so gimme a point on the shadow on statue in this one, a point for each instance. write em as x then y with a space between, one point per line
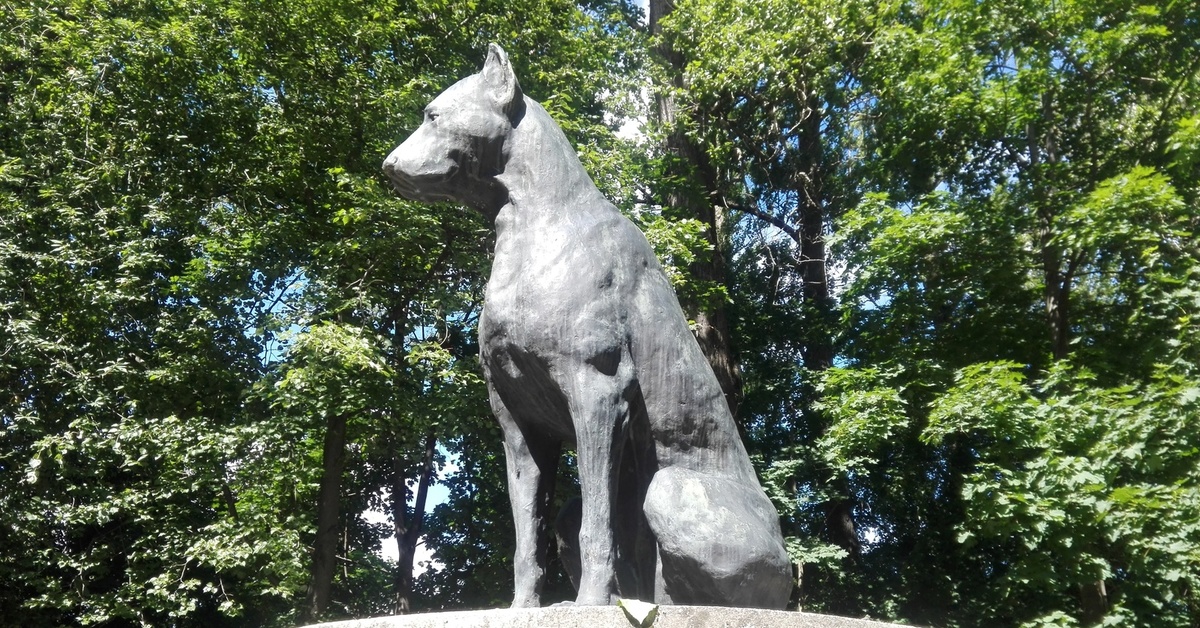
583 344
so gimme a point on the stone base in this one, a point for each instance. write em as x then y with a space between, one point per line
609 617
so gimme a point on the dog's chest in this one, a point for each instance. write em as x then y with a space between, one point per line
553 297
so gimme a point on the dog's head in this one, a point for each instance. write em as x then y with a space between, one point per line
460 147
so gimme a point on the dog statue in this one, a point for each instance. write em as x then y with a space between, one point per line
583 343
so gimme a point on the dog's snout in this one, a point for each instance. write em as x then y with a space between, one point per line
423 167
389 165
400 173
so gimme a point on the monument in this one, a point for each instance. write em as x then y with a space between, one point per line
584 345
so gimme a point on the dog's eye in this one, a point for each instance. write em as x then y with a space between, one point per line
430 116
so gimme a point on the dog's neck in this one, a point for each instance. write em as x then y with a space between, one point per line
543 179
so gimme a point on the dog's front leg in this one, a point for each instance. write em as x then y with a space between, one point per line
531 463
599 411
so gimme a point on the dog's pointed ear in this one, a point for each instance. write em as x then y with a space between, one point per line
499 78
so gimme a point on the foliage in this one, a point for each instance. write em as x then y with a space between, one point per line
1087 483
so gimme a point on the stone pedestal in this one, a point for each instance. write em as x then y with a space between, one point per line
610 617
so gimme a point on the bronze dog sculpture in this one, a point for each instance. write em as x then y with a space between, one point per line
583 342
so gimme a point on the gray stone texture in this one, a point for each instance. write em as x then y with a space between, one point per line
584 345
612 617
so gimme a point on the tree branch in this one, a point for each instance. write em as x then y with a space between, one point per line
773 220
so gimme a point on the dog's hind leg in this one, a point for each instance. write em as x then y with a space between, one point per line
718 541
636 546
566 530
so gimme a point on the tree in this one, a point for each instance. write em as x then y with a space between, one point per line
770 91
126 309
688 187
1031 215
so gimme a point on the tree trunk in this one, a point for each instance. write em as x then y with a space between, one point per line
818 349
408 531
230 500
695 197
839 524
818 346
328 512
1043 149
1057 293
1093 598
1058 273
